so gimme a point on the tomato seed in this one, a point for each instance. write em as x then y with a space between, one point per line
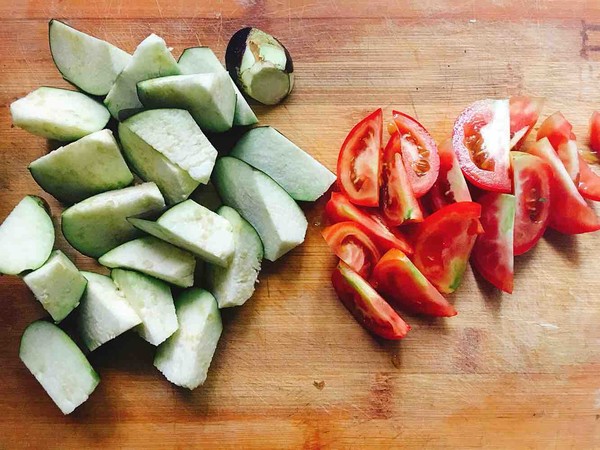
532 205
479 155
421 167
391 127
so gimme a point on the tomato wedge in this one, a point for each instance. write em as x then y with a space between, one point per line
524 114
419 153
399 203
570 214
595 132
443 244
481 141
493 254
366 305
353 246
451 186
398 280
557 129
359 161
532 179
589 181
340 209
569 156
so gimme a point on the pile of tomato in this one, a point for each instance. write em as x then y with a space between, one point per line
406 218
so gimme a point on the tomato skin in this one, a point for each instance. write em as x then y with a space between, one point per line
443 244
524 114
557 129
359 161
353 246
493 255
570 214
399 204
492 114
589 181
397 279
451 186
595 132
366 305
422 166
340 209
532 178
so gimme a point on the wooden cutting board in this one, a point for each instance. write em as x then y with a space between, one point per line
293 369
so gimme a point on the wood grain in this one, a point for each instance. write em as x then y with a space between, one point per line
517 371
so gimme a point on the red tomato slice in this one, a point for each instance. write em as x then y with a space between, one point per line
589 181
493 254
569 156
359 161
570 214
353 246
397 279
481 141
524 114
557 129
399 203
595 132
366 305
340 209
443 244
419 153
451 186
532 179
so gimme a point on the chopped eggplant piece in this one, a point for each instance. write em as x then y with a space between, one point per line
260 65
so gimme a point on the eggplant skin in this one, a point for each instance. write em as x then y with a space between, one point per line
43 203
237 46
289 64
235 51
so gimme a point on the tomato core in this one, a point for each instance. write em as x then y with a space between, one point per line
476 144
353 250
534 204
420 161
361 160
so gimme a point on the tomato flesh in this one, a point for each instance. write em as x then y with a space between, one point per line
359 161
524 114
419 153
398 200
589 181
398 280
340 209
595 132
532 179
443 244
451 186
570 214
366 305
557 129
481 141
493 255
353 246
569 156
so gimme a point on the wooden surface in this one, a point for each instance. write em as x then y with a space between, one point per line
293 369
